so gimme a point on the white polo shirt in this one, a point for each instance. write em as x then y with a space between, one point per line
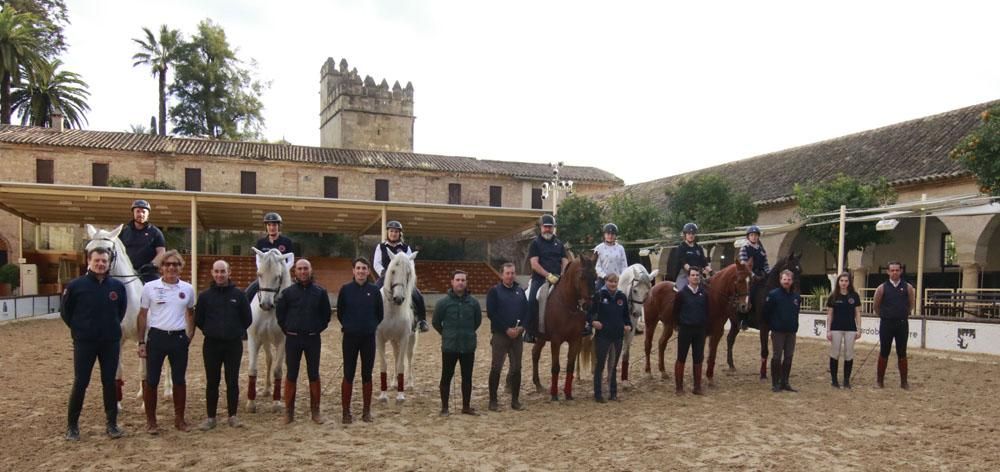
167 304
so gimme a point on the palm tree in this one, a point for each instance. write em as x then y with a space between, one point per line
50 90
159 54
19 51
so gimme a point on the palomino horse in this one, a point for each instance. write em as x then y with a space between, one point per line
727 292
565 310
273 276
759 291
121 269
397 324
636 283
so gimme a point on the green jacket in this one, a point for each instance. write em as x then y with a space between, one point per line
457 319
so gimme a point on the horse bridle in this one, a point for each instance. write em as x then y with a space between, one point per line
113 251
275 291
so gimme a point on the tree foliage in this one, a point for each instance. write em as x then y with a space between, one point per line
156 185
120 181
50 90
828 196
637 218
579 222
709 201
217 96
20 51
159 52
979 152
50 17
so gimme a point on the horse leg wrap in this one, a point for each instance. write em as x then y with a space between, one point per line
568 389
624 369
119 386
710 371
554 389
399 382
276 396
252 388
384 378
763 368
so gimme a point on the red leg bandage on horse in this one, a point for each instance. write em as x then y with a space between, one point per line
119 386
384 378
252 388
276 396
399 382
763 368
624 369
710 371
568 389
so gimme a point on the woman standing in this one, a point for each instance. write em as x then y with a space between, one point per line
843 319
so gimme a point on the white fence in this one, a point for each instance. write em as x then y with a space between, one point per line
16 308
945 335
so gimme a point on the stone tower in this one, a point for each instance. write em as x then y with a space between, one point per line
360 114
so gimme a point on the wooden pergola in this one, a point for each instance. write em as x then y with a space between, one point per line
108 206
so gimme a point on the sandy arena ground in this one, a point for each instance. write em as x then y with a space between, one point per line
948 421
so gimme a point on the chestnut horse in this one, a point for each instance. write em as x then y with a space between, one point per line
728 293
759 290
565 315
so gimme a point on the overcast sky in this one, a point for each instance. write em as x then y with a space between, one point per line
641 89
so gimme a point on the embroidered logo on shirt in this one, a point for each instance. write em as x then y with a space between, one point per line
850 301
181 295
621 302
281 247
795 301
232 300
113 296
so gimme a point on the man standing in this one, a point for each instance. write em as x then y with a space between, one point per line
380 260
144 242
547 256
457 317
781 309
360 310
893 301
691 314
166 308
686 255
303 312
507 308
93 307
223 315
272 240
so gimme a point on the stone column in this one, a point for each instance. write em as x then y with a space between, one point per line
970 275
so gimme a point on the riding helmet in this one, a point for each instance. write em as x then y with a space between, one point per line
141 204
272 217
394 225
611 228
753 229
547 220
690 228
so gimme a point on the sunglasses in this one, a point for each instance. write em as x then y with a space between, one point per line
171 264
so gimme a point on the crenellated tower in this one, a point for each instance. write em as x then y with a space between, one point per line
357 113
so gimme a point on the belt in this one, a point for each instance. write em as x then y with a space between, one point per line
170 333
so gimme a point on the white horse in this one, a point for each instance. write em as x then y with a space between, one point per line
636 283
400 278
121 269
273 276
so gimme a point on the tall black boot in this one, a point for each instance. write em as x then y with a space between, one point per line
494 386
775 375
515 393
848 366
445 390
786 370
833 373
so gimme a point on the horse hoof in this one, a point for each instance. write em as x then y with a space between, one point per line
664 376
400 399
539 389
277 407
626 384
252 407
569 398
555 398
383 398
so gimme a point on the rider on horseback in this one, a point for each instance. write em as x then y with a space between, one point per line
380 260
753 252
547 256
610 260
688 254
144 242
273 240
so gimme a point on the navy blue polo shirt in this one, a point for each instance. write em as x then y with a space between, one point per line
282 244
141 244
549 253
844 307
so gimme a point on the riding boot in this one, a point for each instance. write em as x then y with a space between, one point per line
697 379
515 394
679 377
289 401
848 366
346 389
833 373
494 385
445 390
786 371
775 375
903 372
180 403
880 372
366 402
149 402
315 389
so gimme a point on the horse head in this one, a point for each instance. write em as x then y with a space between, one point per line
639 285
119 263
273 274
793 263
586 280
400 277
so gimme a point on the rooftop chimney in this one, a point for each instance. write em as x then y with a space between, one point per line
56 121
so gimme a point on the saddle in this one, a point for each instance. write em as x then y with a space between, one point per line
541 296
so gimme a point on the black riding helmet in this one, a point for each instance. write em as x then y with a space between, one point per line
141 204
272 217
547 220
394 225
690 228
611 228
753 229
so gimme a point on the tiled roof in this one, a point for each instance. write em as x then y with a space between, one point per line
129 142
904 153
